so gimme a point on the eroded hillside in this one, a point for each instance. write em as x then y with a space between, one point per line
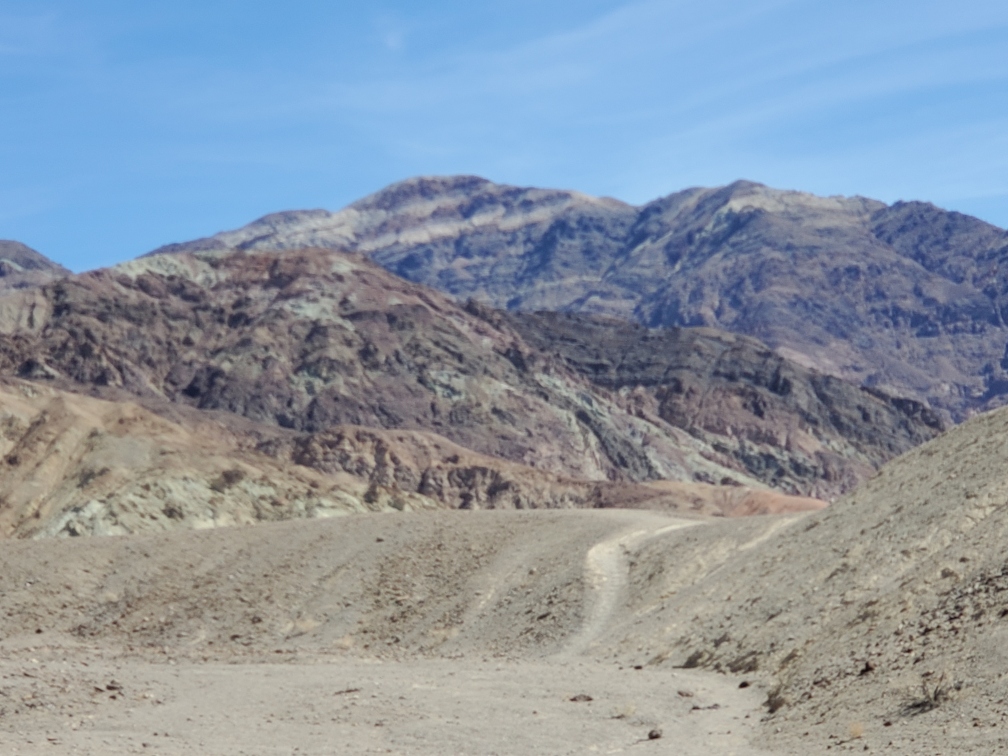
887 610
785 423
74 465
313 339
907 298
21 267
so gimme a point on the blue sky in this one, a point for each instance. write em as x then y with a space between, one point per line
126 125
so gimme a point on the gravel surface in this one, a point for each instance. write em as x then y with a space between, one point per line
440 632
326 706
879 624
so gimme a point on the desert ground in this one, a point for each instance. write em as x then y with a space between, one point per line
447 632
876 624
503 632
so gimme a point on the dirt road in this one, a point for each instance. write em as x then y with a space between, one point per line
441 661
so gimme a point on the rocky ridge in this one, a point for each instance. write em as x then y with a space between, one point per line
907 298
310 340
75 465
785 423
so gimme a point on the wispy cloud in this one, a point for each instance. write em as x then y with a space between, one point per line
391 30
229 110
719 89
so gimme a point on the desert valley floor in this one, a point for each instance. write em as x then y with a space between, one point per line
423 633
480 644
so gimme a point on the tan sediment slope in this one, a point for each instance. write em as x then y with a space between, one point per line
76 465
73 465
884 615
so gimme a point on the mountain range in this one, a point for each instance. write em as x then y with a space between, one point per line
452 344
907 298
574 346
321 354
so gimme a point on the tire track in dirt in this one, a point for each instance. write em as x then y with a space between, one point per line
606 573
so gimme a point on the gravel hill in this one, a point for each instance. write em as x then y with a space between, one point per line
884 614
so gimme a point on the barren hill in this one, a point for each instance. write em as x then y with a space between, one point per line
22 267
74 465
427 633
884 614
908 297
313 339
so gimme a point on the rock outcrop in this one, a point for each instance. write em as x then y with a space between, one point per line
785 423
310 340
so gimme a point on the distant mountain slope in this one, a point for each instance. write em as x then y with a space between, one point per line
906 297
23 267
75 465
737 395
313 339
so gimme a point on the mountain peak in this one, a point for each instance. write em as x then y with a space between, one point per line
852 286
25 258
424 188
21 267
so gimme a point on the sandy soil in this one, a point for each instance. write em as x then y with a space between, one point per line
325 706
453 632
